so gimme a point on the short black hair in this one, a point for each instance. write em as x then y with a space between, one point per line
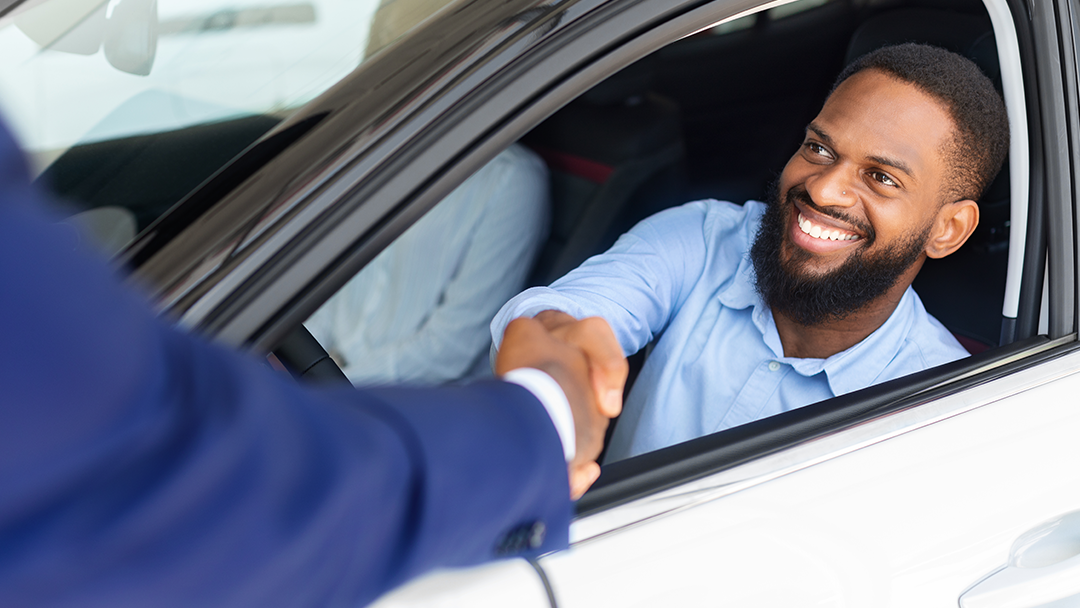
977 110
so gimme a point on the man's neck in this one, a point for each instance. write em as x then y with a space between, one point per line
826 339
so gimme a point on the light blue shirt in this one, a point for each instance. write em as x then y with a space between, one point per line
684 275
419 312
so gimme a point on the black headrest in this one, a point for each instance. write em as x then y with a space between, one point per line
969 35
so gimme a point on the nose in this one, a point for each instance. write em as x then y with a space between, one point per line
834 186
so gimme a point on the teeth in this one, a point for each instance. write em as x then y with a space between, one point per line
819 233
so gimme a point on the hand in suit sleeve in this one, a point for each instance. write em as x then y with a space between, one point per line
571 350
141 465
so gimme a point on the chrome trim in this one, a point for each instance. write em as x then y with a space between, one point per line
1013 358
1012 79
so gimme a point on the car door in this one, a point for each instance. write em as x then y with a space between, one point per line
954 487
964 494
911 509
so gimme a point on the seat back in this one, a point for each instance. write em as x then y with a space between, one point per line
604 150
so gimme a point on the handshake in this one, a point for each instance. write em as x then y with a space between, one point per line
587 361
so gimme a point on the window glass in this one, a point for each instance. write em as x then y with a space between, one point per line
735 25
794 8
132 103
749 21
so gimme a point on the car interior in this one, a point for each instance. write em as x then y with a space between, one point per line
714 115
718 114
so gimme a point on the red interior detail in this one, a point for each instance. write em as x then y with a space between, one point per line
591 170
973 346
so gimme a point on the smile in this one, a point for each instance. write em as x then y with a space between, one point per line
824 233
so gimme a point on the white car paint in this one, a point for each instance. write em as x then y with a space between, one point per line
913 518
506 583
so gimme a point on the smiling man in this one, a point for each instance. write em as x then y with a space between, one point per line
763 308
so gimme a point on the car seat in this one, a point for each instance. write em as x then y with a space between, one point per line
612 153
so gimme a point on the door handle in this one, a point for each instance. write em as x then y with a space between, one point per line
1044 566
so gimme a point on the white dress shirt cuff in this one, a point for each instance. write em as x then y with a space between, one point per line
552 397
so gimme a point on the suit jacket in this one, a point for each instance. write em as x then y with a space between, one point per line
140 465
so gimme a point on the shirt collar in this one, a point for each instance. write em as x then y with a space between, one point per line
846 371
740 292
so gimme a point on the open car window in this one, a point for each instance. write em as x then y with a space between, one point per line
697 119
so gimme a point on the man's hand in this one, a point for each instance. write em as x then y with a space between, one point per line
586 360
607 365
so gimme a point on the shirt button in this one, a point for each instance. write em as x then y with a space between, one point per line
521 538
773 366
537 535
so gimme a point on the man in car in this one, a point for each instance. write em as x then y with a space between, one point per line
763 308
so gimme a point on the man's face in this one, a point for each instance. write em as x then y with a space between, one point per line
857 202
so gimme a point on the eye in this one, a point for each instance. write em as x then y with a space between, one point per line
818 150
884 179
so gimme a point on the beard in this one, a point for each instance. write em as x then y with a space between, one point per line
787 287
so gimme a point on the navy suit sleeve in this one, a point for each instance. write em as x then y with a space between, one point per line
140 465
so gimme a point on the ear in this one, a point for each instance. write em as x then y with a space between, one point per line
954 224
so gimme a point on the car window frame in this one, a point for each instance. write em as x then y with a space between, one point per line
1053 58
318 262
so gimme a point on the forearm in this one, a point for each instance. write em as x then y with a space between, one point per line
633 331
293 495
635 286
141 465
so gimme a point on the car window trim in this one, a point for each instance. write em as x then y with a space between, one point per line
657 472
1058 129
1032 284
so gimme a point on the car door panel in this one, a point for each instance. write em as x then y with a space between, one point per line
507 583
911 517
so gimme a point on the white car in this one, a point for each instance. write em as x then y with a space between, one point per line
265 154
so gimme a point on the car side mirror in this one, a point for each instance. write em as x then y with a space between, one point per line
126 29
131 35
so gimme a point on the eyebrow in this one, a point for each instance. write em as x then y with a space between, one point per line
881 160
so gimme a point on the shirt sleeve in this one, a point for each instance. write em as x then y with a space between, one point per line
552 397
141 465
636 286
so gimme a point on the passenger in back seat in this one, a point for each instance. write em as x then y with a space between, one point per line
419 311
763 308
